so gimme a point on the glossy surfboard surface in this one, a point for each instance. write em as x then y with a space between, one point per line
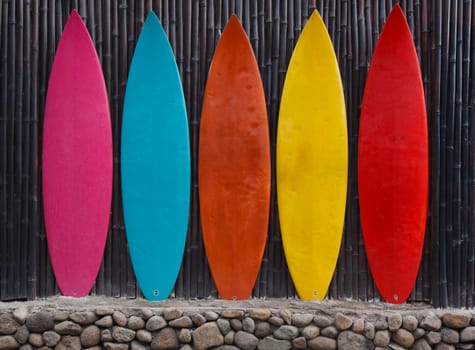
234 165
393 161
155 163
76 161
312 161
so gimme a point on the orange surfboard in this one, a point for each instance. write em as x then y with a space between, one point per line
234 165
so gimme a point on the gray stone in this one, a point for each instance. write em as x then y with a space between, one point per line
229 338
136 323
369 330
348 340
83 317
269 343
395 346
90 336
36 340
67 328
20 314
286 315
61 315
468 334
155 323
144 336
122 335
172 314
40 321
443 346
211 316
232 314
358 326
449 336
421 344
248 325
382 338
181 322
465 346
342 322
51 338
330 332
245 341
69 342
104 311
198 319
322 343
311 332
106 335
419 333
456 320
286 332
236 324
114 346
276 321
27 347
207 336
166 339
146 314
433 337
260 314
394 322
184 336
225 347
22 334
409 322
381 323
8 325
431 322
299 343
301 320
323 321
403 338
8 342
105 322
263 329
119 318
135 345
186 347
223 325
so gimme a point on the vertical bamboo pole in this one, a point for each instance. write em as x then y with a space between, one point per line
4 153
19 265
466 277
34 196
471 104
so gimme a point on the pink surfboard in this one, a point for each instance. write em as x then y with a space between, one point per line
77 161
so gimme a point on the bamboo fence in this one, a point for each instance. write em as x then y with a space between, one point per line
442 31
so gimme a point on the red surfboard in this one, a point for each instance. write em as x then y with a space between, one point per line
393 161
77 161
234 165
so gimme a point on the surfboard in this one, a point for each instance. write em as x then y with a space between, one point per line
234 165
312 161
393 161
76 161
155 163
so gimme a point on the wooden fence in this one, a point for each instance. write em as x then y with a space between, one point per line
442 30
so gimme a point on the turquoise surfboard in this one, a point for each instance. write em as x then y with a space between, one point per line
155 163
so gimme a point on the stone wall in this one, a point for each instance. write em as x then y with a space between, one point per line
111 327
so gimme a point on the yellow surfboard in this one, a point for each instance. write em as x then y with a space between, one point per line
312 161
